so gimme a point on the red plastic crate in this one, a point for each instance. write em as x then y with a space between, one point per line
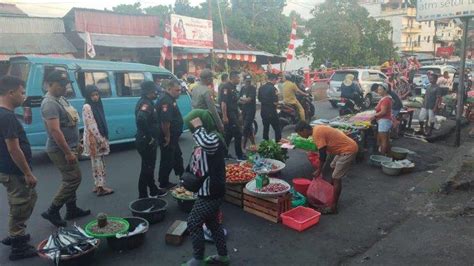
300 218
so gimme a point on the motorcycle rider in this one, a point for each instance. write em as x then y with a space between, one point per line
351 90
290 91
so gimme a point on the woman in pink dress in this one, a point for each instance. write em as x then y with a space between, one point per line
96 143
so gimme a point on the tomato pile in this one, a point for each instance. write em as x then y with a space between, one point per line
274 188
238 174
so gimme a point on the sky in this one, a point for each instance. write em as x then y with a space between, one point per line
58 8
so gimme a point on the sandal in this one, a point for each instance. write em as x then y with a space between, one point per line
101 191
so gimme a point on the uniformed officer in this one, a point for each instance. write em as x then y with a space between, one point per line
268 97
248 104
170 122
62 125
15 170
230 113
147 141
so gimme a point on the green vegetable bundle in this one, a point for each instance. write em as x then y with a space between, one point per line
271 150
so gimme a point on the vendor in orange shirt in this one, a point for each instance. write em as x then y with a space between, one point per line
331 141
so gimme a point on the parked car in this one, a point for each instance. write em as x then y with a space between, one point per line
419 80
365 77
118 83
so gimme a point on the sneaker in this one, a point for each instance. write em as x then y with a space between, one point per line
159 193
217 260
169 186
243 158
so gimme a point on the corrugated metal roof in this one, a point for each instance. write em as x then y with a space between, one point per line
123 41
35 43
11 10
31 25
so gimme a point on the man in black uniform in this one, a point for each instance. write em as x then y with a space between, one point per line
147 140
248 104
170 122
268 96
230 113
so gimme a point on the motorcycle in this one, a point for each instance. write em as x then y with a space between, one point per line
288 114
348 106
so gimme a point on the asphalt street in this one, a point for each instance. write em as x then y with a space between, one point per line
371 205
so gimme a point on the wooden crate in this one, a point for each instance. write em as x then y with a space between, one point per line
234 194
267 208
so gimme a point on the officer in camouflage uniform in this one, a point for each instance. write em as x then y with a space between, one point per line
147 140
15 168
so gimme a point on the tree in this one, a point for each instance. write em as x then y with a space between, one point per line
343 32
128 9
259 23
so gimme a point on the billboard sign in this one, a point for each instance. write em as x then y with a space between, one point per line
442 9
191 32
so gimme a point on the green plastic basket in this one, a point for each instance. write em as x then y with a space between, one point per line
116 219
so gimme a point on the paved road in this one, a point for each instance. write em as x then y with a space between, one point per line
371 205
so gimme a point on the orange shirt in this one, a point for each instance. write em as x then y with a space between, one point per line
335 141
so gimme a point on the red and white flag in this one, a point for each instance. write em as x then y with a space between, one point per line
291 47
89 46
226 41
165 50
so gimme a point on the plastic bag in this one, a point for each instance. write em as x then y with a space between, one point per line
320 193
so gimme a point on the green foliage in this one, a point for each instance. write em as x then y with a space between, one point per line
271 150
343 32
259 23
128 9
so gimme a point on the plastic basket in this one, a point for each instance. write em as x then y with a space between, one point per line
301 185
300 218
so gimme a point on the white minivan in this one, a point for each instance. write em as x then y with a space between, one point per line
365 77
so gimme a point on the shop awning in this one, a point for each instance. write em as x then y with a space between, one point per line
244 56
123 41
12 44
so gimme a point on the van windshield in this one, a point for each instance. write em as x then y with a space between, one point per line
19 70
424 70
340 75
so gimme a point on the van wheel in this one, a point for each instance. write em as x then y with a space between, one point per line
82 157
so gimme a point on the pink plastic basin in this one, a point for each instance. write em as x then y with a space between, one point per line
300 218
301 185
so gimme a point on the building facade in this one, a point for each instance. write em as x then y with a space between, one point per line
409 35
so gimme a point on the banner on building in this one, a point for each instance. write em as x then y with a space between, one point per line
191 32
445 52
442 9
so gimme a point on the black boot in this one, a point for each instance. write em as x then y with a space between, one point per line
72 211
52 215
7 241
20 249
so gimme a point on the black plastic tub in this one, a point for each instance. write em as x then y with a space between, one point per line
140 207
129 242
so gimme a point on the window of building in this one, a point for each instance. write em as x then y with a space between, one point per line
70 93
419 38
99 79
128 84
428 40
429 23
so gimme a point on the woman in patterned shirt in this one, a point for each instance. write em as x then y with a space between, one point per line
96 143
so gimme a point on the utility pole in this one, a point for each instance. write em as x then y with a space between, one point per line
462 81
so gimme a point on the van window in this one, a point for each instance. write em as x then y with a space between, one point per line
99 79
70 93
128 84
19 70
374 76
340 75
